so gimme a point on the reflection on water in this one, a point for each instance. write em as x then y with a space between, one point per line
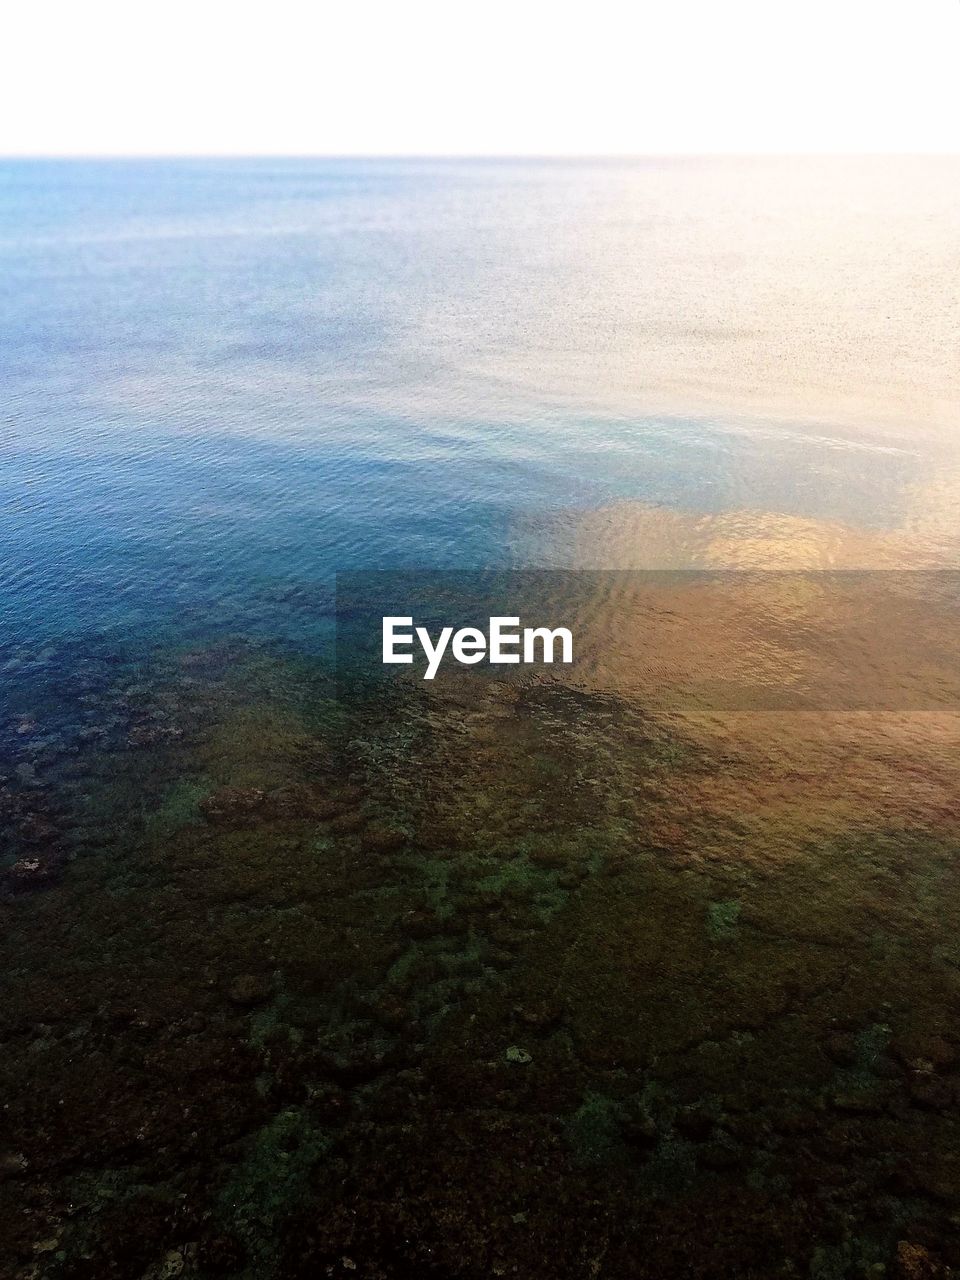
579 974
216 373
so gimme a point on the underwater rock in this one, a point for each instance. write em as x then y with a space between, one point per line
422 923
867 1100
379 838
346 823
914 1262
932 1093
359 1063
249 989
292 803
517 1055
233 804
35 829
719 1156
220 1253
548 855
571 877
841 1048
171 1266
932 1174
12 1165
392 1013
637 1125
694 1122
795 1122
924 1052
149 735
542 1016
508 935
297 801
33 872
91 733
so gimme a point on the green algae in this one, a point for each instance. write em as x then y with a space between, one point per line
517 1055
519 879
594 1129
436 879
270 1184
181 805
723 919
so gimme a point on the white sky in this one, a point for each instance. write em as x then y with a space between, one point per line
447 77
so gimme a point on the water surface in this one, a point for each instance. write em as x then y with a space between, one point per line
223 380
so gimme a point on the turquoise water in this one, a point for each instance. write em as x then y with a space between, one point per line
225 380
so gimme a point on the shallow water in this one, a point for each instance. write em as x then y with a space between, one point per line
579 974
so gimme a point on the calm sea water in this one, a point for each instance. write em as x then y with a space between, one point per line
225 380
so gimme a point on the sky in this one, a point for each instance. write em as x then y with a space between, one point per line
445 77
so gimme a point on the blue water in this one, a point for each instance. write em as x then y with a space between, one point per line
223 381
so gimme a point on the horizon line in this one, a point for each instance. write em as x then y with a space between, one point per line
475 155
